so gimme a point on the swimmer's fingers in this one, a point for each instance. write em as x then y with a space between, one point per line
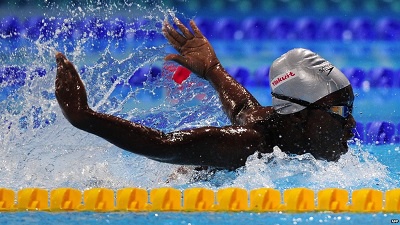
65 67
66 72
196 30
173 41
60 59
172 35
69 88
185 31
62 67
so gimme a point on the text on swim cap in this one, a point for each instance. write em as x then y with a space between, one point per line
280 79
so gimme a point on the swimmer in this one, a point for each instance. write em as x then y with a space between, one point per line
311 109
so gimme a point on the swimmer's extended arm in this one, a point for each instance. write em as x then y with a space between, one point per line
223 147
197 54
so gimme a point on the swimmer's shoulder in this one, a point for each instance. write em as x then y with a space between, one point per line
261 119
257 115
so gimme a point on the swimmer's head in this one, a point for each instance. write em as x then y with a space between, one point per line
300 77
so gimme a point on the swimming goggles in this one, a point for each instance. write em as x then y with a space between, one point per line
337 110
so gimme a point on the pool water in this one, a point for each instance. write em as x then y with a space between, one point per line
194 218
40 148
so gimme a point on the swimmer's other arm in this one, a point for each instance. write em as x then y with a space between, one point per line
222 147
197 54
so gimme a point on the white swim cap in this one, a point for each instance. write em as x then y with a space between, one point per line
302 74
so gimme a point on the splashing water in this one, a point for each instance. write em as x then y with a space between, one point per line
40 148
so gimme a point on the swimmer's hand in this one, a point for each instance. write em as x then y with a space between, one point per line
69 89
195 52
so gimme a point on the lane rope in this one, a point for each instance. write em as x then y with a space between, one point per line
231 199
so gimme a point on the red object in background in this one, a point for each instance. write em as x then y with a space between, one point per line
181 74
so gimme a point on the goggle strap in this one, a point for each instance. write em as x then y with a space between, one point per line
290 99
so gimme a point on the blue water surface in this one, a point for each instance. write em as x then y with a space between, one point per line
168 218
